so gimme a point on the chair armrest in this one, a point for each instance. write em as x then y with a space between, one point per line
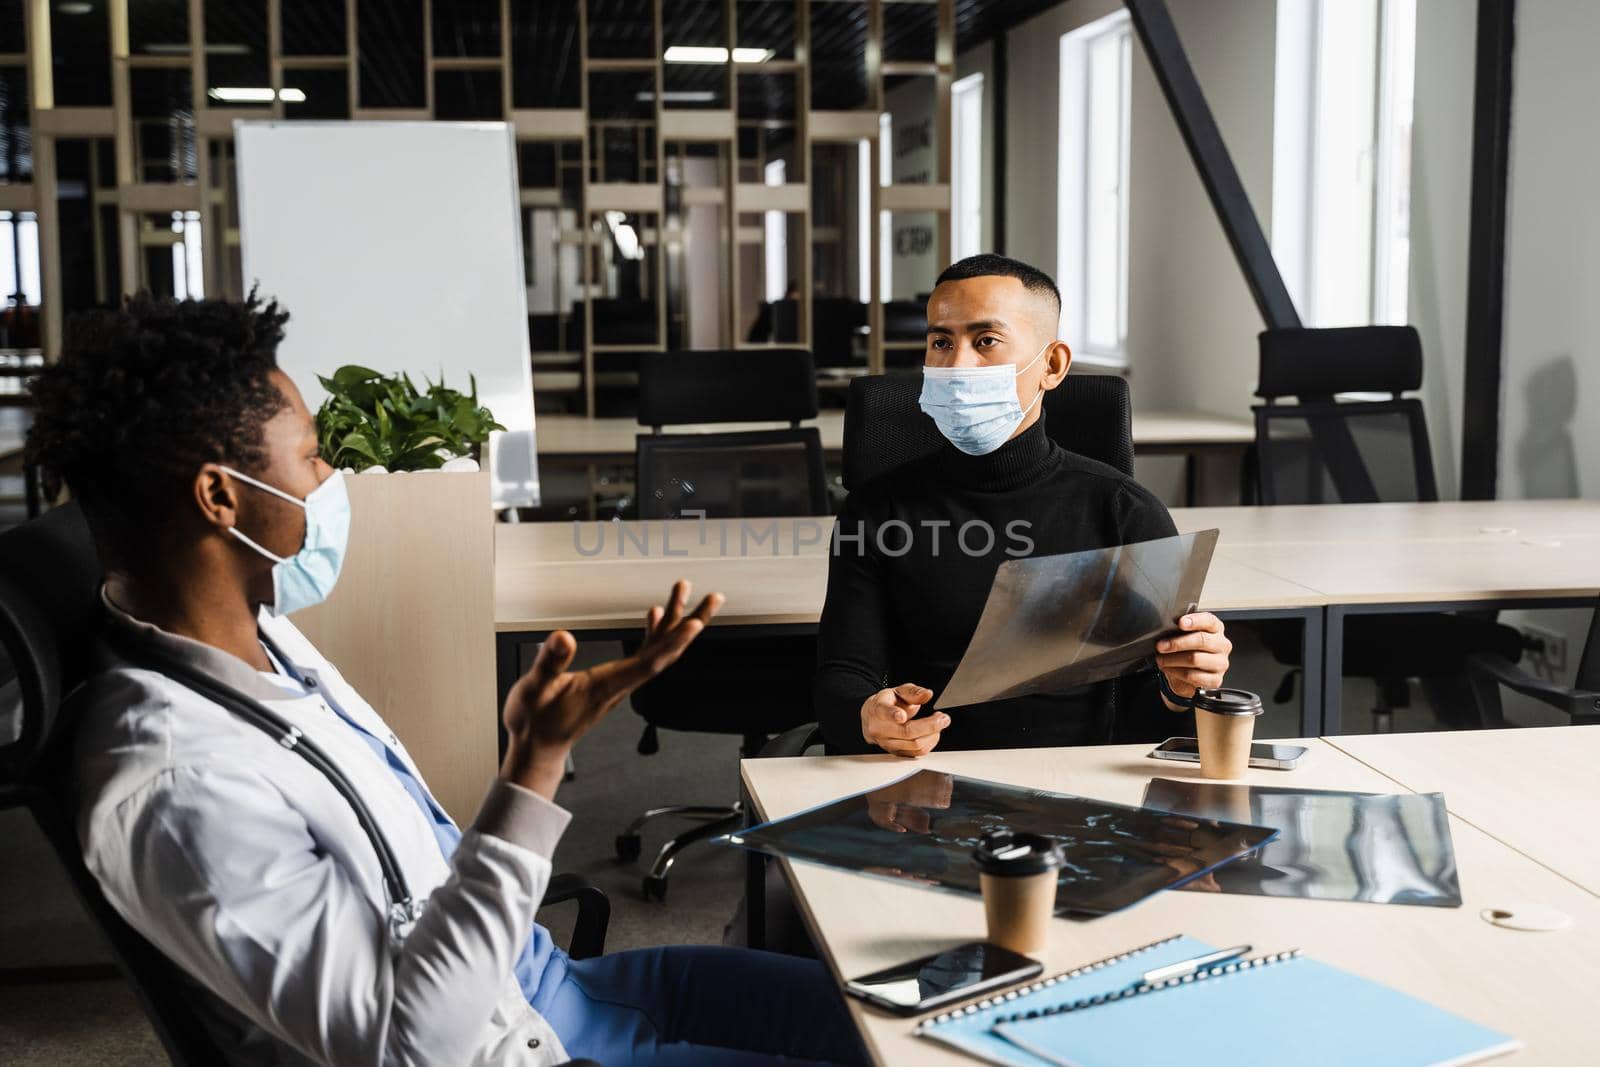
1575 702
594 913
793 742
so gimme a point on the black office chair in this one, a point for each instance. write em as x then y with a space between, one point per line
49 616
750 474
1487 672
834 322
1365 449
884 429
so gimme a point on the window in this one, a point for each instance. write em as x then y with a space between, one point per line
1342 157
19 263
1092 237
966 192
777 240
885 230
188 280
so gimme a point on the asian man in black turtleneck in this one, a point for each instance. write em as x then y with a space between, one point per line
916 550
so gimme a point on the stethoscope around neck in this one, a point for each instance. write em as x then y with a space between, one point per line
404 908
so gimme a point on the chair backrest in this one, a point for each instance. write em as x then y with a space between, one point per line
727 385
49 619
1316 364
1089 414
1352 452
754 474
1326 450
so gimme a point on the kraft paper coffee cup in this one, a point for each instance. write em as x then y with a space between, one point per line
1018 875
1225 724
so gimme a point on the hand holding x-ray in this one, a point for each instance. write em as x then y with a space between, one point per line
1055 622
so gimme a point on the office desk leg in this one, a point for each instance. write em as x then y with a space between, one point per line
1313 699
1312 627
755 883
1332 669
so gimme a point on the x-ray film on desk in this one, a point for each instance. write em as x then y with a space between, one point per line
1055 622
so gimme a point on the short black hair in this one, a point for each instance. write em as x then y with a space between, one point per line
142 396
987 264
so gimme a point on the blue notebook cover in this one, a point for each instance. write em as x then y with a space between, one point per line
1287 1009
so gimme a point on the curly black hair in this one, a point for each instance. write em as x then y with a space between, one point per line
142 396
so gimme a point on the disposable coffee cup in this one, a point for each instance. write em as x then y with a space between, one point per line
1018 874
1225 723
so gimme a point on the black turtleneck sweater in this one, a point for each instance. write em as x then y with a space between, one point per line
903 600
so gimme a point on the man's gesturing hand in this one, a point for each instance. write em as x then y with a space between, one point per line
888 721
550 707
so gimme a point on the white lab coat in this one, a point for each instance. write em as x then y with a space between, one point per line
246 867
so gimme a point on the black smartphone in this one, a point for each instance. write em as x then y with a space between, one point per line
943 978
1262 753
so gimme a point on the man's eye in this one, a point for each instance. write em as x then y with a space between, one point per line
987 342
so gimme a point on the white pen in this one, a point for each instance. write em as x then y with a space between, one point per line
1190 966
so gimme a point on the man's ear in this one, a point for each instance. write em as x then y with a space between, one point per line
1057 359
217 496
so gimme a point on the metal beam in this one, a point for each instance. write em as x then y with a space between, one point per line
1486 250
1153 23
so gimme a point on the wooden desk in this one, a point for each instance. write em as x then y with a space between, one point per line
1487 572
1482 521
1536 789
576 438
1318 564
598 579
1531 985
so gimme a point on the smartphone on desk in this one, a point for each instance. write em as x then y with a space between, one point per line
955 974
1267 754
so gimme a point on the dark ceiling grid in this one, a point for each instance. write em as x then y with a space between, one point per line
313 27
390 54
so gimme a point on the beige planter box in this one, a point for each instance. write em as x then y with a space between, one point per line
411 623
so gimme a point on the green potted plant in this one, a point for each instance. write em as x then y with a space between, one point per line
375 421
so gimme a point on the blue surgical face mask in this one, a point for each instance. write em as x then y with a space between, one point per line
308 576
976 408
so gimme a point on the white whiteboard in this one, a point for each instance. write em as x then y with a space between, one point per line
397 246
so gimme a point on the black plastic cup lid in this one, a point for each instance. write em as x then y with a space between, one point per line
1014 855
1227 701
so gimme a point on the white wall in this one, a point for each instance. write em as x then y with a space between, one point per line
1549 447
1552 309
980 60
1191 322
1441 190
913 243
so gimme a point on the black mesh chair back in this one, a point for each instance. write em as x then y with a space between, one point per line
761 473
744 474
727 385
1350 452
884 429
49 619
1354 451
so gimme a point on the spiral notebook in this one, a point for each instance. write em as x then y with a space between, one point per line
1265 1012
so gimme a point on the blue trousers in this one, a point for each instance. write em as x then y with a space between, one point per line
697 1006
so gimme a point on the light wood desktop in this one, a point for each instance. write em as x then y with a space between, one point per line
1534 789
612 439
586 575
1314 563
1531 985
775 572
1481 521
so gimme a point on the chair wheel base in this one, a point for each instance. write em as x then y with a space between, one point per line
654 888
628 847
